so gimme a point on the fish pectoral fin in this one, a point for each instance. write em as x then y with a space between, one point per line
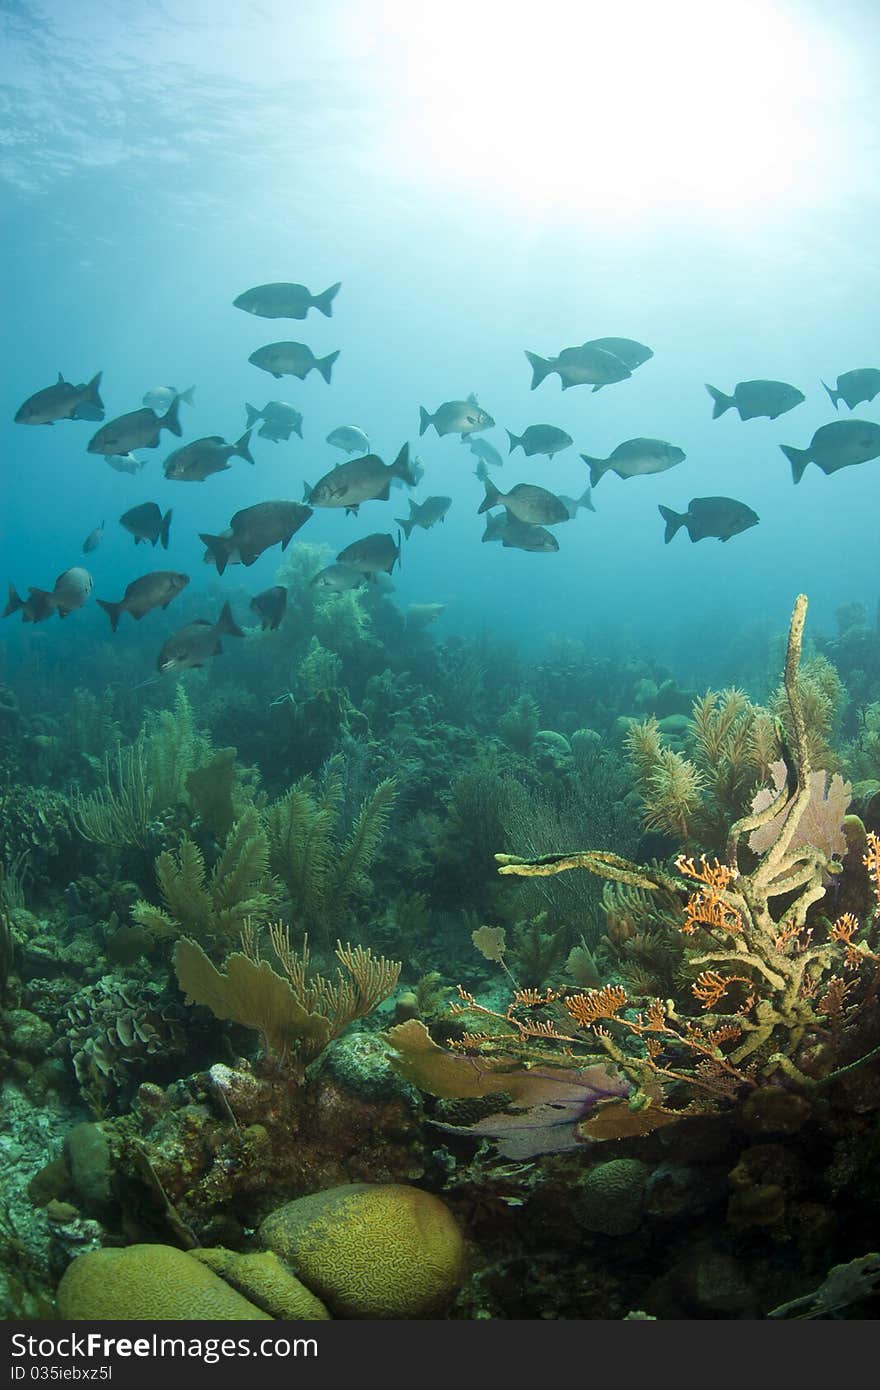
353 509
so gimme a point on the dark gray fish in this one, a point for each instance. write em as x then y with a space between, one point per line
425 514
139 429
158 398
631 353
93 539
146 523
756 399
280 420
718 517
337 578
861 384
62 401
574 504
350 439
70 592
540 439
194 644
634 459
360 480
841 444
281 300
292 359
579 366
526 502
456 417
271 605
371 555
485 452
255 529
193 463
519 535
154 590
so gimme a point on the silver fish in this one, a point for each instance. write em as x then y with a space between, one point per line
154 590
485 452
255 529
193 463
574 504
337 578
359 480
350 439
456 417
718 517
62 401
292 359
93 539
159 398
194 644
282 300
139 429
420 615
634 459
125 463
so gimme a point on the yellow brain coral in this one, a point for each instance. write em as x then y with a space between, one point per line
148 1282
263 1278
384 1251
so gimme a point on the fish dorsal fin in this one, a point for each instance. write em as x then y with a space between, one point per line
472 400
60 381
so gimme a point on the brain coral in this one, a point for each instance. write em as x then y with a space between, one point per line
146 1282
384 1251
262 1277
610 1197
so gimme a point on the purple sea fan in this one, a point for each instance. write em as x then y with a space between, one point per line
821 824
550 1125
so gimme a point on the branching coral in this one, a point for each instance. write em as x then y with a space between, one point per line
750 947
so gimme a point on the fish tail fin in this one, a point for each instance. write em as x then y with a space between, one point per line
165 529
93 389
833 394
113 611
540 368
189 395
324 301
424 420
400 468
241 447
407 523
515 441
14 603
298 428
252 415
227 624
720 401
396 560
598 468
325 365
307 492
674 522
798 458
171 420
586 499
492 496
218 548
